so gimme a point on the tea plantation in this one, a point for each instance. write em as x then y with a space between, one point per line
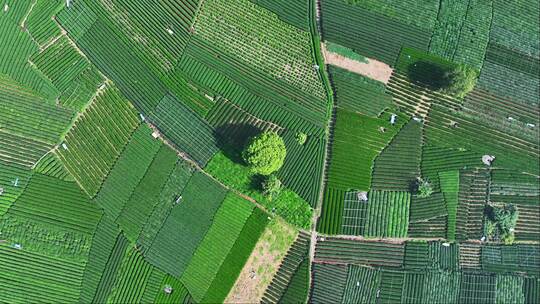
400 142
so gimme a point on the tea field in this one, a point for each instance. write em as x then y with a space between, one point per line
124 176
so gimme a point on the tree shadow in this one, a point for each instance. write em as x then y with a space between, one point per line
232 138
256 182
428 74
413 186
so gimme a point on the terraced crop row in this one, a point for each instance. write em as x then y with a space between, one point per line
214 248
186 225
99 135
370 33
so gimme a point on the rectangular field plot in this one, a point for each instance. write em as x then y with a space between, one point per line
97 139
477 288
237 257
284 53
362 285
472 198
25 112
331 218
61 63
219 240
398 165
128 171
328 283
509 289
303 166
186 225
187 131
370 33
511 258
354 214
13 180
103 246
50 279
145 196
357 93
358 139
387 214
442 287
359 252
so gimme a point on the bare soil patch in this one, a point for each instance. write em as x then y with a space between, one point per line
373 69
263 263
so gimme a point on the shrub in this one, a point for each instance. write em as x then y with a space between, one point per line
301 138
265 153
423 187
501 221
271 186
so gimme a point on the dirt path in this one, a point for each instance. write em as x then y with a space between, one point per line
373 69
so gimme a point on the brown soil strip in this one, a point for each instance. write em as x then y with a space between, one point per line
373 69
263 263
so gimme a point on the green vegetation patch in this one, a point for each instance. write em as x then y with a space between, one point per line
362 285
187 131
61 63
171 191
229 170
345 52
368 31
186 225
328 282
133 275
53 217
89 155
178 294
372 253
358 93
49 278
509 289
298 288
269 44
17 47
13 180
103 245
419 13
331 218
449 181
398 165
237 256
387 214
294 12
477 288
218 241
358 139
145 196
128 171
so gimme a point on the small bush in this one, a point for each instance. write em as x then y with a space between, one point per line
265 153
271 186
301 138
423 187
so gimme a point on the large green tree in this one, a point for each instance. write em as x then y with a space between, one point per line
265 153
460 81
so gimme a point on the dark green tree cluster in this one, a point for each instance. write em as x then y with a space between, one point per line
459 81
500 222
